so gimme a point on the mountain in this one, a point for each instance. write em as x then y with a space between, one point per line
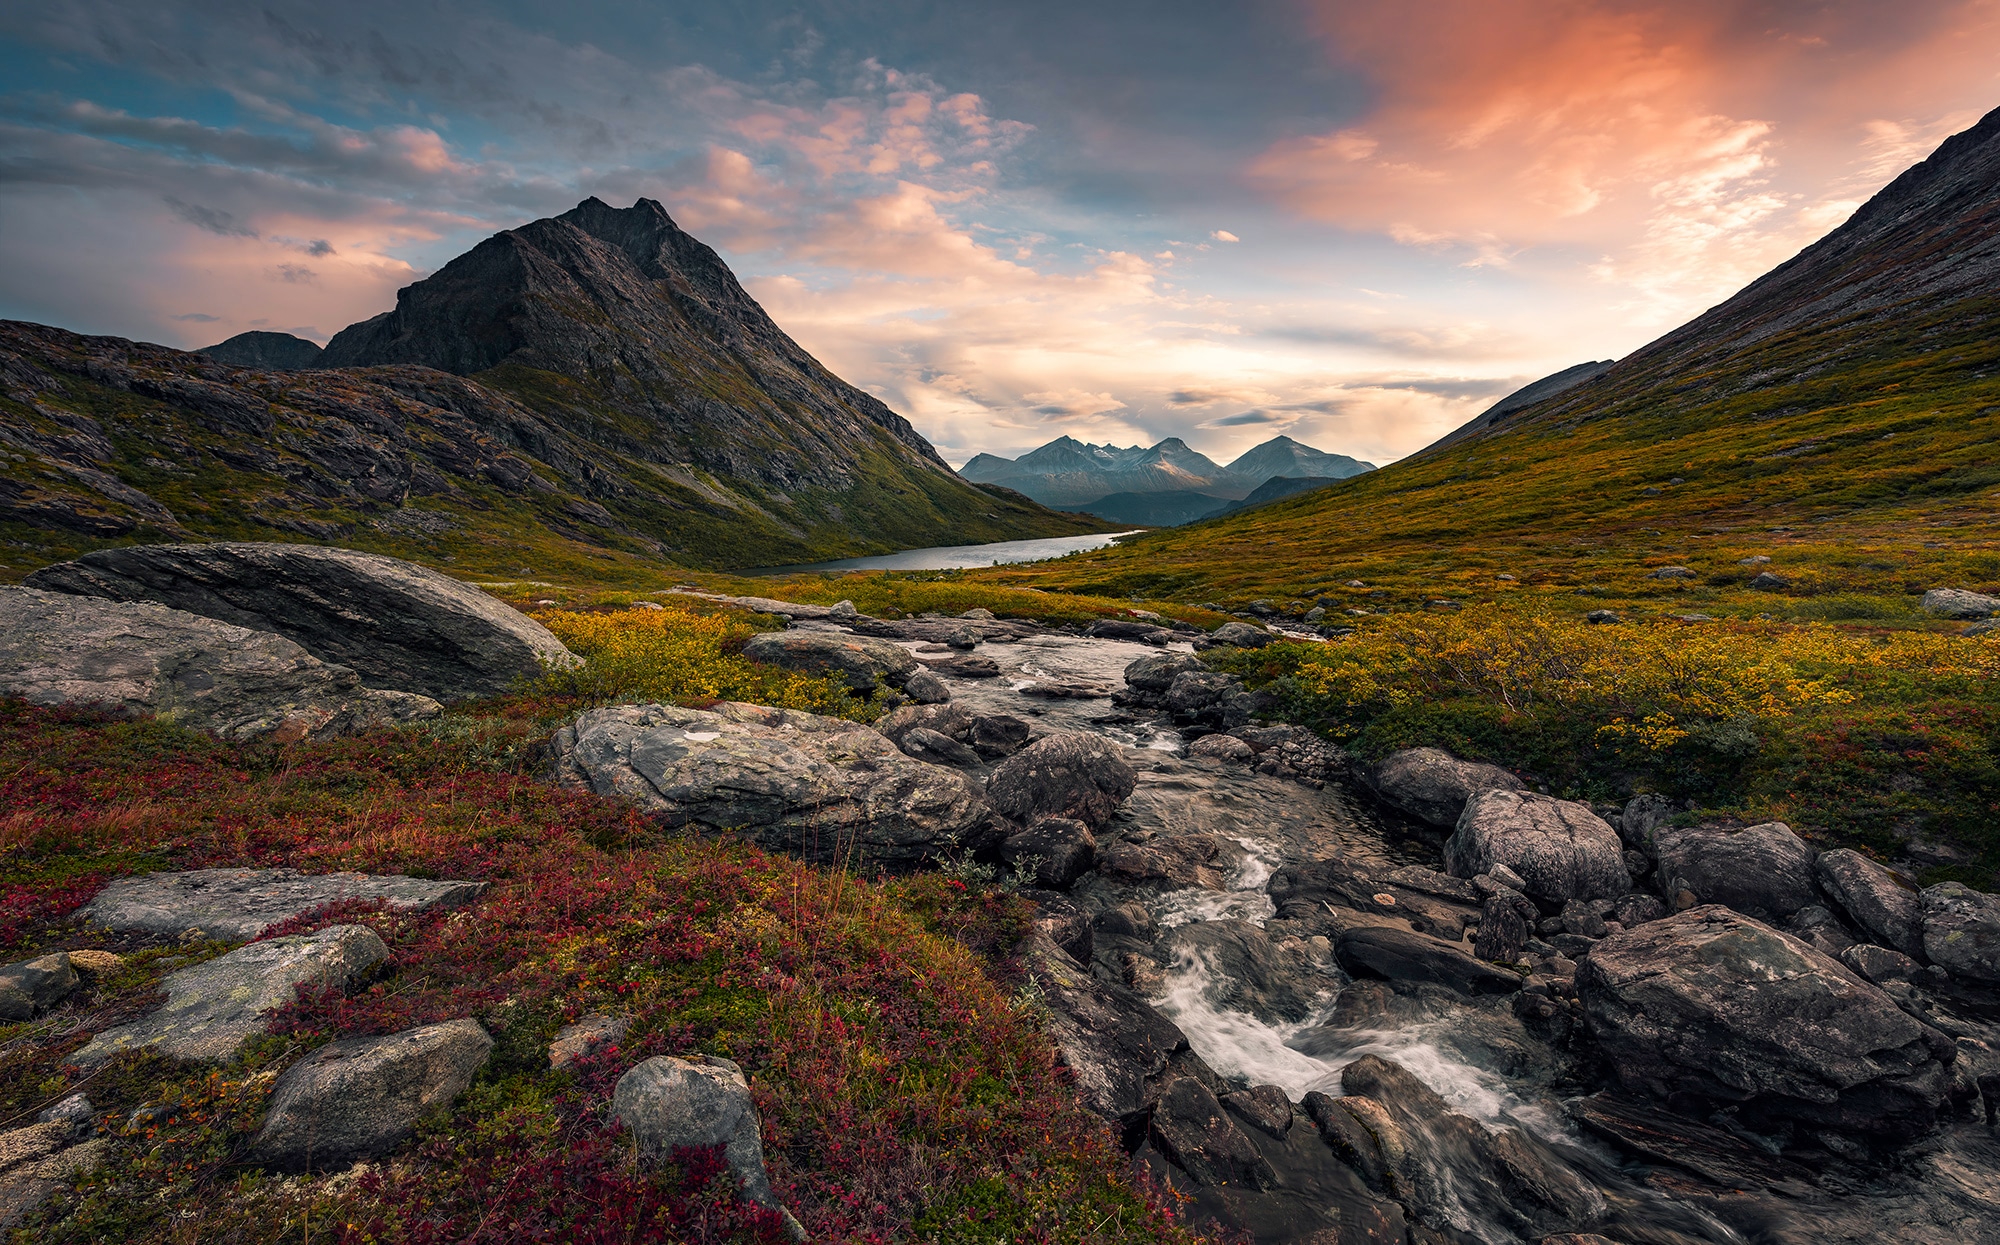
1282 456
1150 509
1071 474
271 352
1277 488
1837 417
1521 399
593 391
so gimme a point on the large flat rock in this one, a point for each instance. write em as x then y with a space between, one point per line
138 658
231 905
213 1008
829 790
399 625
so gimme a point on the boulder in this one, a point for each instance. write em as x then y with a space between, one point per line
1671 572
1241 635
1075 775
1879 964
1721 1008
1056 850
829 790
139 658
1432 785
966 666
1769 581
588 1036
1962 931
1877 900
213 1008
1215 701
1560 849
1644 817
1114 1044
951 721
1404 955
1265 1106
1223 748
1765 871
1154 674
1959 603
31 987
1505 925
361 1097
398 625
926 689
670 1103
1131 630
997 735
861 660
1064 921
939 749
1191 1129
1602 617
231 905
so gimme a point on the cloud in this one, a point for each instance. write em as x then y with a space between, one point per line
215 220
1250 417
1223 235
197 317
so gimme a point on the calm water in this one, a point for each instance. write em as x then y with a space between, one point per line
957 557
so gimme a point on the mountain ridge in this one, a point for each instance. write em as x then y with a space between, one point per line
1072 474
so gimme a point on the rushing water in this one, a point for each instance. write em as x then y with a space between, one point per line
958 557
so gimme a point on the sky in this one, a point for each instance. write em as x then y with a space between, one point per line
1350 222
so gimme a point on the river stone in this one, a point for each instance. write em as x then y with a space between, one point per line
926 689
939 749
1962 931
1247 973
1560 849
1216 701
361 1097
1075 775
1765 871
1404 955
861 660
826 789
140 658
1129 629
1959 603
951 721
1433 786
966 666
671 1103
997 735
1059 850
231 905
1719 1006
1113 1042
1223 748
213 1008
1241 635
1882 902
1156 673
398 625
33 986
1505 924
1192 1130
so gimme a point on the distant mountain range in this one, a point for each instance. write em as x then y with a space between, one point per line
588 386
1158 485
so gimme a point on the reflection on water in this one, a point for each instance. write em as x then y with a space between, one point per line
958 557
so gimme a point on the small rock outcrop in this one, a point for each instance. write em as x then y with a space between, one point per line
823 788
1962 931
41 1158
1880 902
1054 852
670 1103
400 626
1214 702
1765 871
1077 776
140 658
31 987
1113 1042
231 905
1190 1127
1560 849
1959 603
1241 635
213 1008
1720 1007
861 660
1433 786
361 1097
1151 676
1403 955
588 1036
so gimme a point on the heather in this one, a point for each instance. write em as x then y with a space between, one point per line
906 1089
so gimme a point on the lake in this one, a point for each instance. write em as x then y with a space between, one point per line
957 557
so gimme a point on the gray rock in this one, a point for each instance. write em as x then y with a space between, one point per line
1075 775
1672 572
1404 955
1585 917
861 660
139 658
1114 1044
951 721
1764 871
1057 849
398 625
1223 748
1876 899
1132 630
826 789
1601 617
670 1103
213 1008
586 1037
1643 819
997 735
1064 921
1769 581
1191 1129
978 612
1632 910
361 1097
966 666
1241 635
38 1160
1504 925
965 639
1959 603
231 905
1718 1006
926 689
76 1112
1433 786
30 987
1217 701
1879 964
1156 673
939 749
1265 1106
1560 849
1816 926
1962 931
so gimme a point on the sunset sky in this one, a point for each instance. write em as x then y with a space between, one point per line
1356 223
